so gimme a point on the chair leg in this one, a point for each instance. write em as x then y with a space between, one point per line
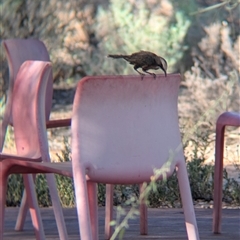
33 206
82 203
186 196
3 190
218 179
108 210
57 208
92 199
22 213
143 212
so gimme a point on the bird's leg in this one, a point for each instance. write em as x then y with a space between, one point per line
145 68
153 74
136 69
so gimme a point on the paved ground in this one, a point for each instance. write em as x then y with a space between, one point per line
163 224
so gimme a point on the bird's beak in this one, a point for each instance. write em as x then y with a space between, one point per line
165 73
164 70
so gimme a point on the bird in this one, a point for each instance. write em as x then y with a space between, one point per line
144 60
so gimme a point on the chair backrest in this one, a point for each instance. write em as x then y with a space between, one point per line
123 128
28 108
17 52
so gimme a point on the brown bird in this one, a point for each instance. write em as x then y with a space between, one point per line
145 60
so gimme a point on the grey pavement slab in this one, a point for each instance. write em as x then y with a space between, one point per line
162 224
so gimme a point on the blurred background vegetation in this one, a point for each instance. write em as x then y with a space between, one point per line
80 34
198 38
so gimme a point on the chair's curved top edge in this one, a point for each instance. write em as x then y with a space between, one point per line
229 119
230 114
105 77
19 39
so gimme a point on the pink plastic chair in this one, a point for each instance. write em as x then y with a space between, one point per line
17 52
123 128
28 109
28 116
225 119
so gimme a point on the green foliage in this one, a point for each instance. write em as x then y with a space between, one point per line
231 191
43 195
122 218
101 194
14 190
65 184
201 179
160 193
126 27
186 6
166 193
200 174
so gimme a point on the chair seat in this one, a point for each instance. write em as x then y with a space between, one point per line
26 166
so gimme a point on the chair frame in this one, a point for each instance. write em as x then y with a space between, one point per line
225 119
17 51
88 103
31 149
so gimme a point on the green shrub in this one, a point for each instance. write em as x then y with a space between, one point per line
129 26
65 184
166 193
14 190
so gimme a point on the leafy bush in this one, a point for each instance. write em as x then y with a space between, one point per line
212 85
65 184
14 190
166 193
130 26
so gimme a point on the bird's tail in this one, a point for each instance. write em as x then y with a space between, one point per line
117 56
